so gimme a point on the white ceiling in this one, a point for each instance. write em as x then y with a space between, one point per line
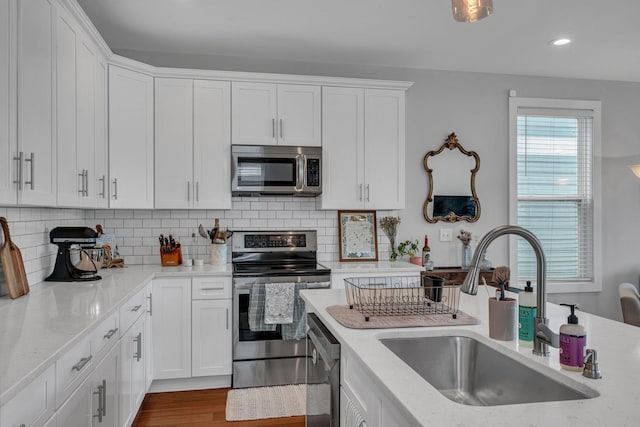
398 33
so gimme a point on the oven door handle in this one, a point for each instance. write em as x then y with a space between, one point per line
314 282
300 161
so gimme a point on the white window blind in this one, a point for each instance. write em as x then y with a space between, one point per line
555 191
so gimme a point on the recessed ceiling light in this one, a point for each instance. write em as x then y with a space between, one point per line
560 42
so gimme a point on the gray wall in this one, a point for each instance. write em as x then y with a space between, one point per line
475 106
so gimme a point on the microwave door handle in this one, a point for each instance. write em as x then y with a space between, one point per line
301 160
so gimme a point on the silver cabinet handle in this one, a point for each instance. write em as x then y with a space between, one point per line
188 191
81 363
136 308
115 188
300 160
102 180
281 130
361 193
273 128
101 392
110 334
18 171
81 190
150 298
138 341
197 191
31 160
86 183
227 319
104 397
368 193
212 289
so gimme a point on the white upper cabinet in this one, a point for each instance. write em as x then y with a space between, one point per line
173 143
8 145
276 114
212 144
130 139
36 106
363 148
192 148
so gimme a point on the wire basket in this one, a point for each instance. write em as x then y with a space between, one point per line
401 296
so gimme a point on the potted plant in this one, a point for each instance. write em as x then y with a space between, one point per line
411 248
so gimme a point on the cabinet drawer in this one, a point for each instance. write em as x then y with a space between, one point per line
105 336
33 405
131 310
71 368
211 288
359 388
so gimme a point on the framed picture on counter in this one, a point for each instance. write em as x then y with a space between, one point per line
357 235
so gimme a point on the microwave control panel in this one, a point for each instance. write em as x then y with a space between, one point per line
313 172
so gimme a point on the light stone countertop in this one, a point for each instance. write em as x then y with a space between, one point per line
618 347
37 328
372 267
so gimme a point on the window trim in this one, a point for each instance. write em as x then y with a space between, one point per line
555 104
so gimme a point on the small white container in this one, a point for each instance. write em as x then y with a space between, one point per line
187 262
218 254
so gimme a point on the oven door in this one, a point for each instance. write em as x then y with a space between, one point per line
251 345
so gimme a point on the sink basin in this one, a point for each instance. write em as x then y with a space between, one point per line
470 372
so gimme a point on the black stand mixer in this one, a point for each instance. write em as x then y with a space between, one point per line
78 259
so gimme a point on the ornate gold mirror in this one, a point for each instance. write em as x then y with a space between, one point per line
452 195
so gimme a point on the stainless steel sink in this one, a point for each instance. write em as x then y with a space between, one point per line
470 372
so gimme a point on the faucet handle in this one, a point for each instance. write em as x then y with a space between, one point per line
591 368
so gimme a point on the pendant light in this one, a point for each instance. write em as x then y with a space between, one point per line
471 10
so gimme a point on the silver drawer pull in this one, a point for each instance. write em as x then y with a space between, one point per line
138 340
137 307
111 333
31 160
81 364
212 289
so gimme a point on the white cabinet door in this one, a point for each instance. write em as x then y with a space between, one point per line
130 139
299 115
34 404
148 346
86 125
342 148
384 149
254 113
171 328
132 369
174 186
101 160
8 170
104 391
36 112
211 342
212 144
76 411
66 109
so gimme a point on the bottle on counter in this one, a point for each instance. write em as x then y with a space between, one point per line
573 341
527 312
426 251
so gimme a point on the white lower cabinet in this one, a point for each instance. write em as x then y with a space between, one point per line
32 406
132 372
94 402
211 329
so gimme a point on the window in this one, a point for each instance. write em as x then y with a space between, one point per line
554 152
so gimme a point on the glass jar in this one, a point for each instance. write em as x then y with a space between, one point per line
466 257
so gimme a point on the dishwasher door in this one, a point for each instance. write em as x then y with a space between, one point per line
323 375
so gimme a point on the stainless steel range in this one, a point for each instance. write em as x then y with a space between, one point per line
267 353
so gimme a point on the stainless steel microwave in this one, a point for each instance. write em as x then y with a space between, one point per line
276 170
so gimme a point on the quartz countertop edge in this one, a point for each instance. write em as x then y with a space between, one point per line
618 347
374 267
36 329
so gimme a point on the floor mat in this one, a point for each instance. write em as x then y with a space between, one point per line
266 402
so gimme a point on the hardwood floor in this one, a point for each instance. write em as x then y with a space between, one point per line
204 408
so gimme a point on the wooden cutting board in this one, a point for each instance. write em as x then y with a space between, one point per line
12 265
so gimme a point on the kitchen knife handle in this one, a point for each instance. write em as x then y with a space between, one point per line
281 130
18 160
102 180
81 363
31 160
115 188
273 128
188 191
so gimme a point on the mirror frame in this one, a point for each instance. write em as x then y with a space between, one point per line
451 143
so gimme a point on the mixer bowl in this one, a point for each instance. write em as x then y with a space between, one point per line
86 259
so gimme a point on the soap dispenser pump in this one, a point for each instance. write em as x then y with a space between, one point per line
573 340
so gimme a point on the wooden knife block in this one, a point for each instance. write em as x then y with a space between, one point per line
171 259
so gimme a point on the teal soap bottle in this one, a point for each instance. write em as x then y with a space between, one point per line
573 341
527 312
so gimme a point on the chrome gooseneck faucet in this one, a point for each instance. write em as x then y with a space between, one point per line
470 286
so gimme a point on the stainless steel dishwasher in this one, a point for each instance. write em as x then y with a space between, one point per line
323 375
